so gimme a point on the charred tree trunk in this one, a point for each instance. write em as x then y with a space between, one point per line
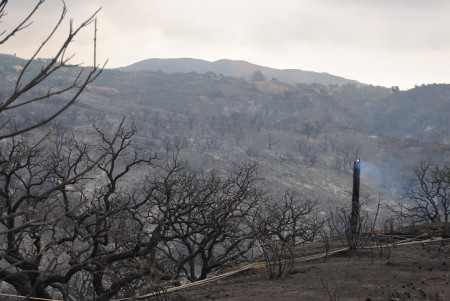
354 217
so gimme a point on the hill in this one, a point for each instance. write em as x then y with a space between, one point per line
305 136
235 69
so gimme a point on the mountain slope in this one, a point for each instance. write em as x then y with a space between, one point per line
234 68
304 136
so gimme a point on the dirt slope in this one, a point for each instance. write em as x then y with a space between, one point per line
411 272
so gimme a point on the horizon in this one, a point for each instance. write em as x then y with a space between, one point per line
224 59
245 61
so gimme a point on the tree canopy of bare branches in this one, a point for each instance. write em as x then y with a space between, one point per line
26 88
428 195
211 214
41 183
281 225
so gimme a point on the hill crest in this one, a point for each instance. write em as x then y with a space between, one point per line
234 68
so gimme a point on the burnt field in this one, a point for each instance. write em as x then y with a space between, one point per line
415 270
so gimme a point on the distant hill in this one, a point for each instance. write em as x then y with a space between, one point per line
236 69
6 59
10 63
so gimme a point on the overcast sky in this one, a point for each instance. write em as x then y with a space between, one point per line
380 42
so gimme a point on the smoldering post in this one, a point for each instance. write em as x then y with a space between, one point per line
354 217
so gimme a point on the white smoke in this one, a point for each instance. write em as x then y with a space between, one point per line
386 177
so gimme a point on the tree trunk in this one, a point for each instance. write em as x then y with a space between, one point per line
354 217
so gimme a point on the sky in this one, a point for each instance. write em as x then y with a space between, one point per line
381 42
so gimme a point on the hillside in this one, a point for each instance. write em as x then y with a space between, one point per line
235 69
417 271
304 136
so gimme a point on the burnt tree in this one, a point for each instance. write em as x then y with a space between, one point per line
355 211
427 198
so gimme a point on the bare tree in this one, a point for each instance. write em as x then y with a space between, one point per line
54 225
118 233
325 144
344 154
31 76
339 223
278 256
354 234
428 194
211 215
309 129
59 225
212 142
308 151
271 141
304 147
280 226
293 220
